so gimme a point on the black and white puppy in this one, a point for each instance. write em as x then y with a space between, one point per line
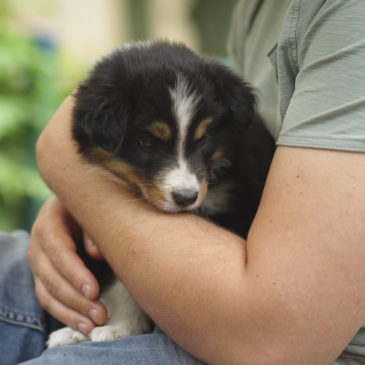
181 131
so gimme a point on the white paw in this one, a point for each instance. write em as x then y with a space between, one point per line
65 336
109 332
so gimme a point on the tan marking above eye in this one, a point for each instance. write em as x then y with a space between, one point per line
160 130
202 127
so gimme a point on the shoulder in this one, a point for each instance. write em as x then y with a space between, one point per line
320 55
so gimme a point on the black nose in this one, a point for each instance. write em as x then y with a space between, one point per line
184 198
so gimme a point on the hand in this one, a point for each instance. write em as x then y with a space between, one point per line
64 286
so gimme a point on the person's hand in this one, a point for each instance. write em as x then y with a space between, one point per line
64 286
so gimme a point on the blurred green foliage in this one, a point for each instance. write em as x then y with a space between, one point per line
28 97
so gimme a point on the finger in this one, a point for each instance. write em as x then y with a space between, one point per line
60 311
53 232
63 292
91 248
58 269
65 260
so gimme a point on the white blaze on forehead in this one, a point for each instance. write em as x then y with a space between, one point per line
184 103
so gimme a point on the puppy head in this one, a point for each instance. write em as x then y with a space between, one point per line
159 118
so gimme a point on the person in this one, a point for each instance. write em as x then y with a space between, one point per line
293 293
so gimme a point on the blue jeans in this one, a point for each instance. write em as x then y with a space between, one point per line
24 326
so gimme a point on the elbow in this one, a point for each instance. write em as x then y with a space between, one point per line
42 156
48 157
54 146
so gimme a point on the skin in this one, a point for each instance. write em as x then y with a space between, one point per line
54 262
294 293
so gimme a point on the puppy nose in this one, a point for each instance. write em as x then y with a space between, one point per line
184 198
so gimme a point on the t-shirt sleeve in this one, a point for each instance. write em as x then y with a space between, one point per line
327 107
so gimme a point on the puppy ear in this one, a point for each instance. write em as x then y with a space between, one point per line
236 95
100 118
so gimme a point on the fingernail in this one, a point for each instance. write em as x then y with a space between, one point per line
93 314
86 290
82 327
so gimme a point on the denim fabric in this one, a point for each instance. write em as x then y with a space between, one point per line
22 322
24 325
151 349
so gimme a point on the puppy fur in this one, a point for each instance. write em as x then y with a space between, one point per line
180 130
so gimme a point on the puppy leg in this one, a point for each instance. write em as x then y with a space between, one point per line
65 336
126 318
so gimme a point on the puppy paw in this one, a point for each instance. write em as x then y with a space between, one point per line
109 332
65 336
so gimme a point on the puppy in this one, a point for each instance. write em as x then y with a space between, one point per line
178 129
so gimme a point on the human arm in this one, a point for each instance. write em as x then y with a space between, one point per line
294 293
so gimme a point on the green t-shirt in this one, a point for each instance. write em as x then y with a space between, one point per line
306 60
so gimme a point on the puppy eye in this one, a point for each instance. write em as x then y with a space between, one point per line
202 140
145 143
